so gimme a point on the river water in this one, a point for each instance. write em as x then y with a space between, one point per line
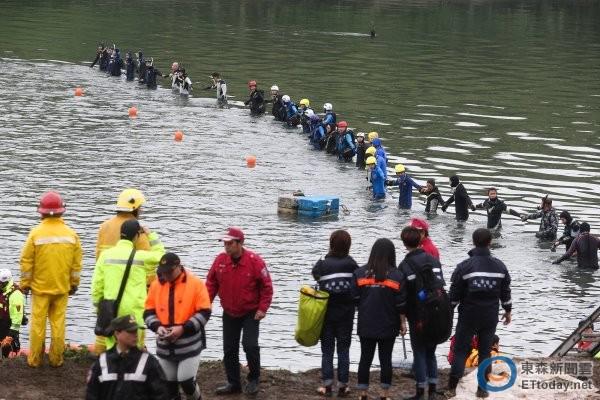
503 93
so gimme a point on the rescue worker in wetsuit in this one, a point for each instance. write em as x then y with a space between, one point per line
291 111
346 143
50 266
184 82
141 62
586 246
330 139
130 66
151 74
304 115
256 99
99 51
361 148
278 109
318 136
221 87
549 222
116 63
126 372
462 199
494 208
570 232
480 284
434 197
376 178
405 184
330 117
12 307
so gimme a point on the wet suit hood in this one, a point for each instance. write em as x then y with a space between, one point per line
454 181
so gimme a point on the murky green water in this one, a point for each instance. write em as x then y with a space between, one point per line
504 93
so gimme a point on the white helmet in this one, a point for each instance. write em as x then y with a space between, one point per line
360 134
327 107
309 112
5 275
286 98
275 87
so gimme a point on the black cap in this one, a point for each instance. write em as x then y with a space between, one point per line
130 228
167 262
125 323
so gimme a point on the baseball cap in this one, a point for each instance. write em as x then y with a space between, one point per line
233 233
167 262
125 323
419 224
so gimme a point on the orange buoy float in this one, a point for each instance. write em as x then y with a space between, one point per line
78 91
178 136
251 161
132 112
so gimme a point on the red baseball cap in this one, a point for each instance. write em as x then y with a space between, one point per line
419 224
233 233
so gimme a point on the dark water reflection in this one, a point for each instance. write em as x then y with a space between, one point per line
504 93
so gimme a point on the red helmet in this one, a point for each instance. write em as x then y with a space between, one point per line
251 84
342 124
51 203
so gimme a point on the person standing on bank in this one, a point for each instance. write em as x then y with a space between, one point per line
241 279
125 372
376 290
479 285
177 309
461 199
334 274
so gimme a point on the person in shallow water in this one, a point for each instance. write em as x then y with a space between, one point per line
361 148
346 142
586 246
494 208
141 61
434 197
461 199
405 184
376 178
130 66
381 163
221 87
278 109
99 52
330 117
317 136
330 142
151 74
291 111
304 114
116 63
256 99
570 232
548 223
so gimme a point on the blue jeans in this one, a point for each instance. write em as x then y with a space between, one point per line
424 364
340 332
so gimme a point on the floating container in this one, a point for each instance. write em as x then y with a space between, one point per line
309 206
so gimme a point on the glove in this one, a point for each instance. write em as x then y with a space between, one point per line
73 290
524 218
444 207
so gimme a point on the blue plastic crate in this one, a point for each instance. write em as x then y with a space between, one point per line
318 205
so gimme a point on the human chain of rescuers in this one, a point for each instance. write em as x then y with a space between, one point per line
137 285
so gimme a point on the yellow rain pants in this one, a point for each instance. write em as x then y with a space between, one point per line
54 308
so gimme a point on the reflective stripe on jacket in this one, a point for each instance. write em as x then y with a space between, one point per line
183 302
51 258
109 234
110 268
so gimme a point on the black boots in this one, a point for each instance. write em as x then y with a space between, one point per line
420 395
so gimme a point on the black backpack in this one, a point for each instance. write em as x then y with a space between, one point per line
433 313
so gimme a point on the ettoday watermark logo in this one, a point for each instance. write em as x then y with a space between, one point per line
538 375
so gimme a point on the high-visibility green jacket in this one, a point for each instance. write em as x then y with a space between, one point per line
110 268
12 305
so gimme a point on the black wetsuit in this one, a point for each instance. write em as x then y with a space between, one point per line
462 202
494 209
434 199
361 148
151 74
586 247
570 232
257 102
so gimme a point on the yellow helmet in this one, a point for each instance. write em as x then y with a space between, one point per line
305 102
371 160
372 135
370 151
399 168
130 200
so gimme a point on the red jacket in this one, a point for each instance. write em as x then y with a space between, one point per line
243 287
429 248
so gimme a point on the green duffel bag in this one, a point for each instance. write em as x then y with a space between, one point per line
311 314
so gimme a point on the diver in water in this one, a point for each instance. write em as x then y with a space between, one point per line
221 86
141 67
361 147
278 109
116 63
461 199
549 222
291 111
99 51
570 232
586 246
183 82
151 74
330 117
256 99
494 208
130 66
434 197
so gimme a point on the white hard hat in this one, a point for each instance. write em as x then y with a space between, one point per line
327 107
309 112
275 87
360 134
5 275
286 98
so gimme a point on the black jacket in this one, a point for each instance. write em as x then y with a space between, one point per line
378 304
412 263
478 284
256 101
494 209
462 202
434 198
335 276
121 380
586 247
